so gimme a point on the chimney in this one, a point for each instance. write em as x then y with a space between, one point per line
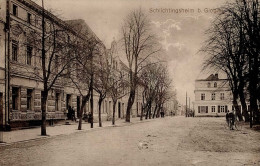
216 75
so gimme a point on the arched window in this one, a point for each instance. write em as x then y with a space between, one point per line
215 85
208 84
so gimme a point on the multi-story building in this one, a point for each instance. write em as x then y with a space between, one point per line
20 63
21 82
212 96
21 90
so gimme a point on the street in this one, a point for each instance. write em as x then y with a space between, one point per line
165 141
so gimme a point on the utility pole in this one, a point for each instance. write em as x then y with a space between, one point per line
189 104
7 67
186 104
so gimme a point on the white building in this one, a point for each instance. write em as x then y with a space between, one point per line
212 96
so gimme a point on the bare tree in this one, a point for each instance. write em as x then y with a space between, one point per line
101 79
163 93
156 85
228 52
54 46
149 80
139 45
88 54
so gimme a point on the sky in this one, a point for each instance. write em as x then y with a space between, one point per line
179 25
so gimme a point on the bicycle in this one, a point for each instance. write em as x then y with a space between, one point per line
238 125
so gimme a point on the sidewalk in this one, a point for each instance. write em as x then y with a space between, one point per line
34 133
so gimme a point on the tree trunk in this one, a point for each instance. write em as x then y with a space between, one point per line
114 112
158 111
84 101
244 106
253 71
154 112
150 110
44 106
238 113
142 109
45 81
99 111
142 112
91 108
147 110
130 104
241 94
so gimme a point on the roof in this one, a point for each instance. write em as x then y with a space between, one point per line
80 26
212 77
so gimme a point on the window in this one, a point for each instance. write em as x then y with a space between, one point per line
15 98
29 99
14 50
213 109
222 108
57 101
208 84
222 96
15 10
29 55
215 85
29 17
202 96
36 21
213 96
203 109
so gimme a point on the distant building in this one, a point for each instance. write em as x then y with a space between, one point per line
212 96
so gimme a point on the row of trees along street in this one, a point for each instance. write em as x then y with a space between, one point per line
233 47
70 54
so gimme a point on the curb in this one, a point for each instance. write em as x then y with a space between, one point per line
4 144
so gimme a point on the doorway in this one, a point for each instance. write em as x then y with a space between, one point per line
68 101
119 110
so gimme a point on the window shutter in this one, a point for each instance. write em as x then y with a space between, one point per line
199 109
225 108
218 109
206 109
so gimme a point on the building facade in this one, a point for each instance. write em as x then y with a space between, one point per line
212 96
20 64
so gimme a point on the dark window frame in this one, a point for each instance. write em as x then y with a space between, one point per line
57 101
29 99
202 96
14 51
29 55
15 10
215 85
15 98
29 18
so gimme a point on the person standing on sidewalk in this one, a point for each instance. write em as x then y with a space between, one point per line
227 117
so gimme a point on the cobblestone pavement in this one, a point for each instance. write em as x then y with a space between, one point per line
169 141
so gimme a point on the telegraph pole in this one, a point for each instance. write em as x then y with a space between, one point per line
186 104
189 104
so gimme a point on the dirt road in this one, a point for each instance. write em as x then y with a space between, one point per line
169 141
